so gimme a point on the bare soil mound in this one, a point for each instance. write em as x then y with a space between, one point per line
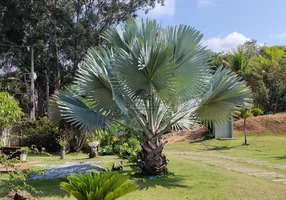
275 124
185 135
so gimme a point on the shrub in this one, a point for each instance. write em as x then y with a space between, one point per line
107 150
41 133
76 138
98 186
25 150
129 150
17 179
90 138
10 112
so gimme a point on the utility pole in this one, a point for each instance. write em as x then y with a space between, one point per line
47 92
32 90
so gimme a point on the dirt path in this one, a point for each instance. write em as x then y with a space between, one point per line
249 166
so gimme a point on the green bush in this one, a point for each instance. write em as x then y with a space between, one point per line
129 150
41 134
90 138
10 112
98 186
107 150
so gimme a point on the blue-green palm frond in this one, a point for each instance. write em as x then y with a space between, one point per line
172 61
192 72
68 106
93 79
226 93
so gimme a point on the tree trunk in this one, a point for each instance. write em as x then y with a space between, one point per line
40 105
47 93
244 131
58 71
150 159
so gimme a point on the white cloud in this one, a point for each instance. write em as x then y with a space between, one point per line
204 3
168 9
227 43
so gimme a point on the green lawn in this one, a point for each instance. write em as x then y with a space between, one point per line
192 179
264 147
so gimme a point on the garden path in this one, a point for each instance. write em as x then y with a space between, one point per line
244 165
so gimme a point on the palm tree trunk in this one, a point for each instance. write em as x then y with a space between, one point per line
151 160
244 131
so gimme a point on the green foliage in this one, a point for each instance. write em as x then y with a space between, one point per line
129 150
17 179
264 70
63 142
107 150
246 112
98 186
61 28
25 150
41 133
10 112
148 85
151 80
257 110
239 60
5 161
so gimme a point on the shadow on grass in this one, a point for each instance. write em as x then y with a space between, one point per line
50 188
201 140
46 188
280 157
144 183
166 182
221 148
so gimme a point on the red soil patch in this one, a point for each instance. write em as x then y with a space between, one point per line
263 124
12 169
186 135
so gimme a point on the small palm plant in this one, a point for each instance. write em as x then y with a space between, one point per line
98 186
245 113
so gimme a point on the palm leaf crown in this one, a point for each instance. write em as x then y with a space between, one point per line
149 78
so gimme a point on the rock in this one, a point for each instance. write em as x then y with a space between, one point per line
93 144
20 195
66 171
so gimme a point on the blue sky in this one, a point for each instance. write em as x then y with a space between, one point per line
228 23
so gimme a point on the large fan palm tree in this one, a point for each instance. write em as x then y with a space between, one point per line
150 79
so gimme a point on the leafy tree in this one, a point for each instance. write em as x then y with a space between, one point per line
239 60
218 59
98 186
271 67
151 80
245 113
10 112
60 31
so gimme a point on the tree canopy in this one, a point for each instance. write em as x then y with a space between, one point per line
61 32
10 112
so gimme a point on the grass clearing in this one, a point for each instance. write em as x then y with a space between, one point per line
263 147
191 179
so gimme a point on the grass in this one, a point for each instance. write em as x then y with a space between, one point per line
191 179
263 147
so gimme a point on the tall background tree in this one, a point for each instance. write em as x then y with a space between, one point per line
60 31
264 70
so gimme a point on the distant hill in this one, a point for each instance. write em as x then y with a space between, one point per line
275 124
